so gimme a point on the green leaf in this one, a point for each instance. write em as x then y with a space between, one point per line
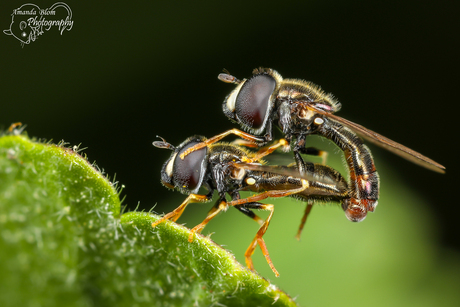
63 243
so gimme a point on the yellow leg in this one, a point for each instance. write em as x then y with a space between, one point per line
245 143
211 214
259 240
176 213
217 138
266 151
266 194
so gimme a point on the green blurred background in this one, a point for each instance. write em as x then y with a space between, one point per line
129 71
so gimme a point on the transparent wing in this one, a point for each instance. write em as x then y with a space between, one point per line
388 144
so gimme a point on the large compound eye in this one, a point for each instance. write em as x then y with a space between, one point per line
187 173
253 100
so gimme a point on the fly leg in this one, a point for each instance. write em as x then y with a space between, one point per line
305 167
244 209
221 205
266 151
273 193
258 238
304 218
176 213
312 151
219 137
252 203
251 214
245 143
247 211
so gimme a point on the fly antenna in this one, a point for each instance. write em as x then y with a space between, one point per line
163 144
228 78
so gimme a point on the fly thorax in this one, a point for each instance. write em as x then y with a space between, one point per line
220 175
285 117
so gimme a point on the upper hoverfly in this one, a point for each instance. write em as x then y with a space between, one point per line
300 108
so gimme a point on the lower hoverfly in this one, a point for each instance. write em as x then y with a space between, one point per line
230 169
300 108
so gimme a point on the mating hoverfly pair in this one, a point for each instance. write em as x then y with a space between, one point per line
299 109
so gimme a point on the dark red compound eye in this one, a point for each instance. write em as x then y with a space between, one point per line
253 100
187 173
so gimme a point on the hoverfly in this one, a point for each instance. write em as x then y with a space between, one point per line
300 108
230 169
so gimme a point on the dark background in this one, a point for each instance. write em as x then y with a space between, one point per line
129 71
